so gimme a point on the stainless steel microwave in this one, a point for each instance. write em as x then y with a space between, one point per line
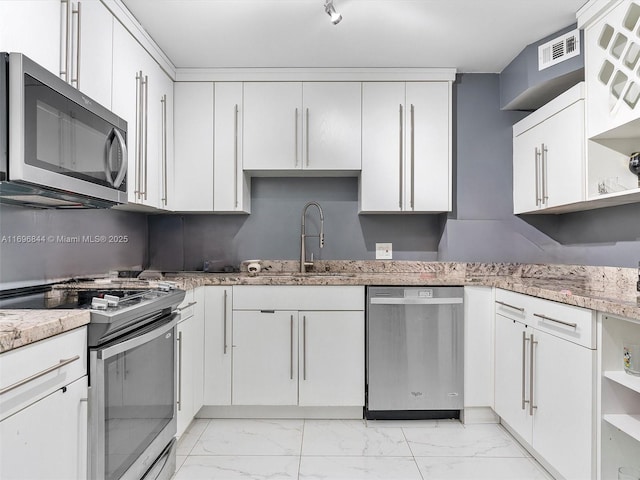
58 148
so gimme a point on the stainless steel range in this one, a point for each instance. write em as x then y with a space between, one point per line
132 383
132 374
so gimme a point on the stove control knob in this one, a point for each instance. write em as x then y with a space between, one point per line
112 300
166 286
99 303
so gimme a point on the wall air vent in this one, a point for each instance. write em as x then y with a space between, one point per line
559 49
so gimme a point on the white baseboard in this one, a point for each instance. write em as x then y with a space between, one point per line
259 411
472 415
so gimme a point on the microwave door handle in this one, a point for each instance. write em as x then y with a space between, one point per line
123 168
114 134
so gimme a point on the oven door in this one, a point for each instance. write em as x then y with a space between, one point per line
132 402
61 139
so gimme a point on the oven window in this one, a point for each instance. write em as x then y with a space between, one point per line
64 137
139 400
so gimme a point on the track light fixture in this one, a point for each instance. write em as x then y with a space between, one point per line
331 11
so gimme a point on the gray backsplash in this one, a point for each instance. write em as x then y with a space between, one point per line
37 246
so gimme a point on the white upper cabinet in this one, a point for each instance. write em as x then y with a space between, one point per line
406 141
272 137
231 186
71 39
193 164
301 126
138 88
32 27
89 49
549 155
332 125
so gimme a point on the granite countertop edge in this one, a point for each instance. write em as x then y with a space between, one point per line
23 327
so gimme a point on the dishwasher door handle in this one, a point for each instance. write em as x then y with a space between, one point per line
415 301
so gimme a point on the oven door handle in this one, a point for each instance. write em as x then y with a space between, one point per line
104 354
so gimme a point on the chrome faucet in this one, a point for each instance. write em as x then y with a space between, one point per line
303 235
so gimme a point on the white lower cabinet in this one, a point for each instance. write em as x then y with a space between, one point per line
265 357
510 376
48 439
295 346
190 358
331 353
545 390
43 412
306 358
217 340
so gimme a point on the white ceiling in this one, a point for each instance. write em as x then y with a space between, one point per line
470 35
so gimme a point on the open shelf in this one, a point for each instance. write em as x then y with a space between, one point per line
622 378
629 424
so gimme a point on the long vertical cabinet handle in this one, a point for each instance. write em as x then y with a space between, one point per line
291 360
532 405
304 347
235 155
413 163
524 361
138 154
401 155
224 324
296 142
545 193
77 12
179 402
64 70
163 104
537 177
146 138
307 128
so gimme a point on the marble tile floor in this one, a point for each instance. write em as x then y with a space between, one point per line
351 450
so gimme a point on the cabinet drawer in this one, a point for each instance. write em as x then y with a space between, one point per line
568 322
188 306
512 305
302 297
30 369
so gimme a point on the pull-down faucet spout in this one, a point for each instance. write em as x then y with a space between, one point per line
303 235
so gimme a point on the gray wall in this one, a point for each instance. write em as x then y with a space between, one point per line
273 229
52 258
481 227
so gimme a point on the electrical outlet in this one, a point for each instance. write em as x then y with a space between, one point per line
384 251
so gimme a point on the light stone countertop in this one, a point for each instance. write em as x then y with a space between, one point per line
606 289
23 327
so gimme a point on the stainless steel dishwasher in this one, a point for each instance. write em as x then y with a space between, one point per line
414 352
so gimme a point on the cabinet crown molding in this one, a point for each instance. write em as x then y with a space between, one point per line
315 74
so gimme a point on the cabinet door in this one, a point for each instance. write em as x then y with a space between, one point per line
563 156
231 188
428 155
272 130
563 392
193 162
511 375
33 27
331 369
187 340
92 64
48 439
217 340
125 102
265 358
527 193
160 88
383 146
332 125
